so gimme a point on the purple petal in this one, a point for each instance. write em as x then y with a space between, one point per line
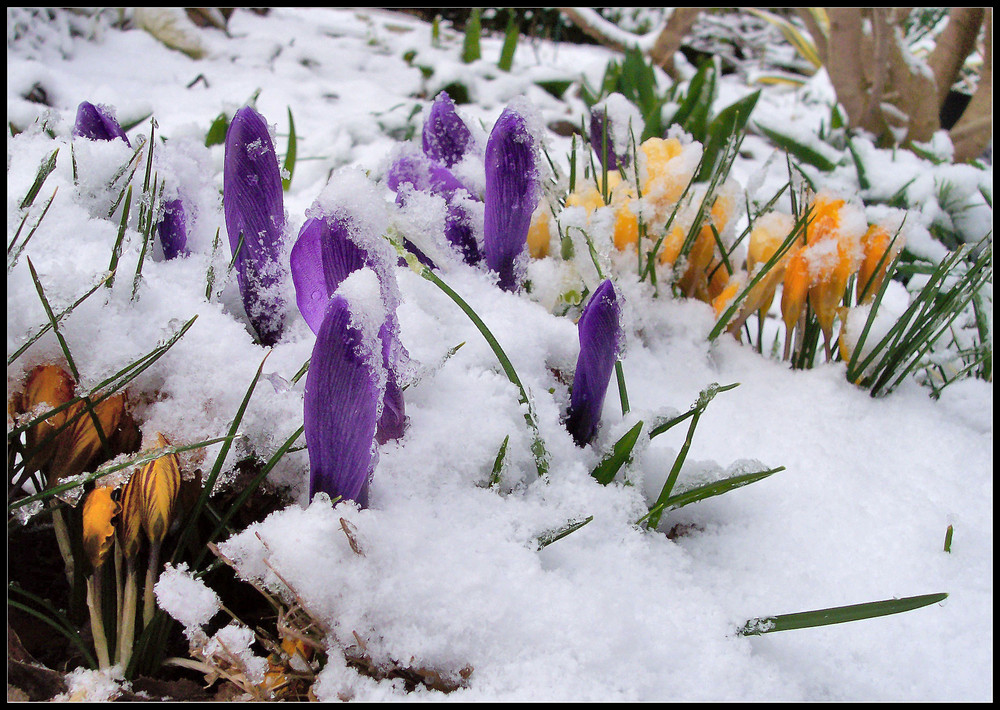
424 174
599 331
254 207
446 137
173 230
511 196
598 125
340 408
323 256
97 123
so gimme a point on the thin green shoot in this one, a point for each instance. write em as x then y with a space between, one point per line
58 317
55 618
836 615
547 538
498 463
20 248
291 153
619 455
948 534
709 490
44 170
622 389
116 250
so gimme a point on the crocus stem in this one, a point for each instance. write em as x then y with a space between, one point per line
149 598
96 620
62 539
126 628
119 561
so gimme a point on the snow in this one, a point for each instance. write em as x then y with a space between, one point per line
450 574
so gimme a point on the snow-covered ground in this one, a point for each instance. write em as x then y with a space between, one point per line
450 576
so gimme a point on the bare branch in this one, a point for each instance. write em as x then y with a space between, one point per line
669 40
608 33
953 46
974 129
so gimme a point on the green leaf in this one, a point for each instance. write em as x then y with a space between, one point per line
550 536
798 150
44 170
947 538
473 29
620 454
716 488
724 126
509 43
217 131
498 463
290 153
837 615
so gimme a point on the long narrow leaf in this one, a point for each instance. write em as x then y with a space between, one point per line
837 615
620 454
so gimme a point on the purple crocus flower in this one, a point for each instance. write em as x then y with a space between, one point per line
323 256
424 174
97 123
511 196
341 408
598 126
446 138
254 208
599 330
173 230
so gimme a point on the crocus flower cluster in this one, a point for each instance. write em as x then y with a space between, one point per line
255 220
97 123
599 331
353 394
511 186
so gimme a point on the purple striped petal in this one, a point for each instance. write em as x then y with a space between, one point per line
599 330
446 138
323 256
97 123
172 230
598 126
254 207
511 196
340 408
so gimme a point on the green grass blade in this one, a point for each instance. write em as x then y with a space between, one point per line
538 450
473 29
498 463
216 134
620 454
947 538
724 126
550 536
57 621
291 153
509 42
622 390
837 615
190 527
44 170
20 247
716 488
62 314
116 250
798 150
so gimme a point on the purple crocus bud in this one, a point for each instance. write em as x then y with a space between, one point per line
511 196
601 141
173 230
323 256
253 204
423 174
341 408
97 123
599 330
446 137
